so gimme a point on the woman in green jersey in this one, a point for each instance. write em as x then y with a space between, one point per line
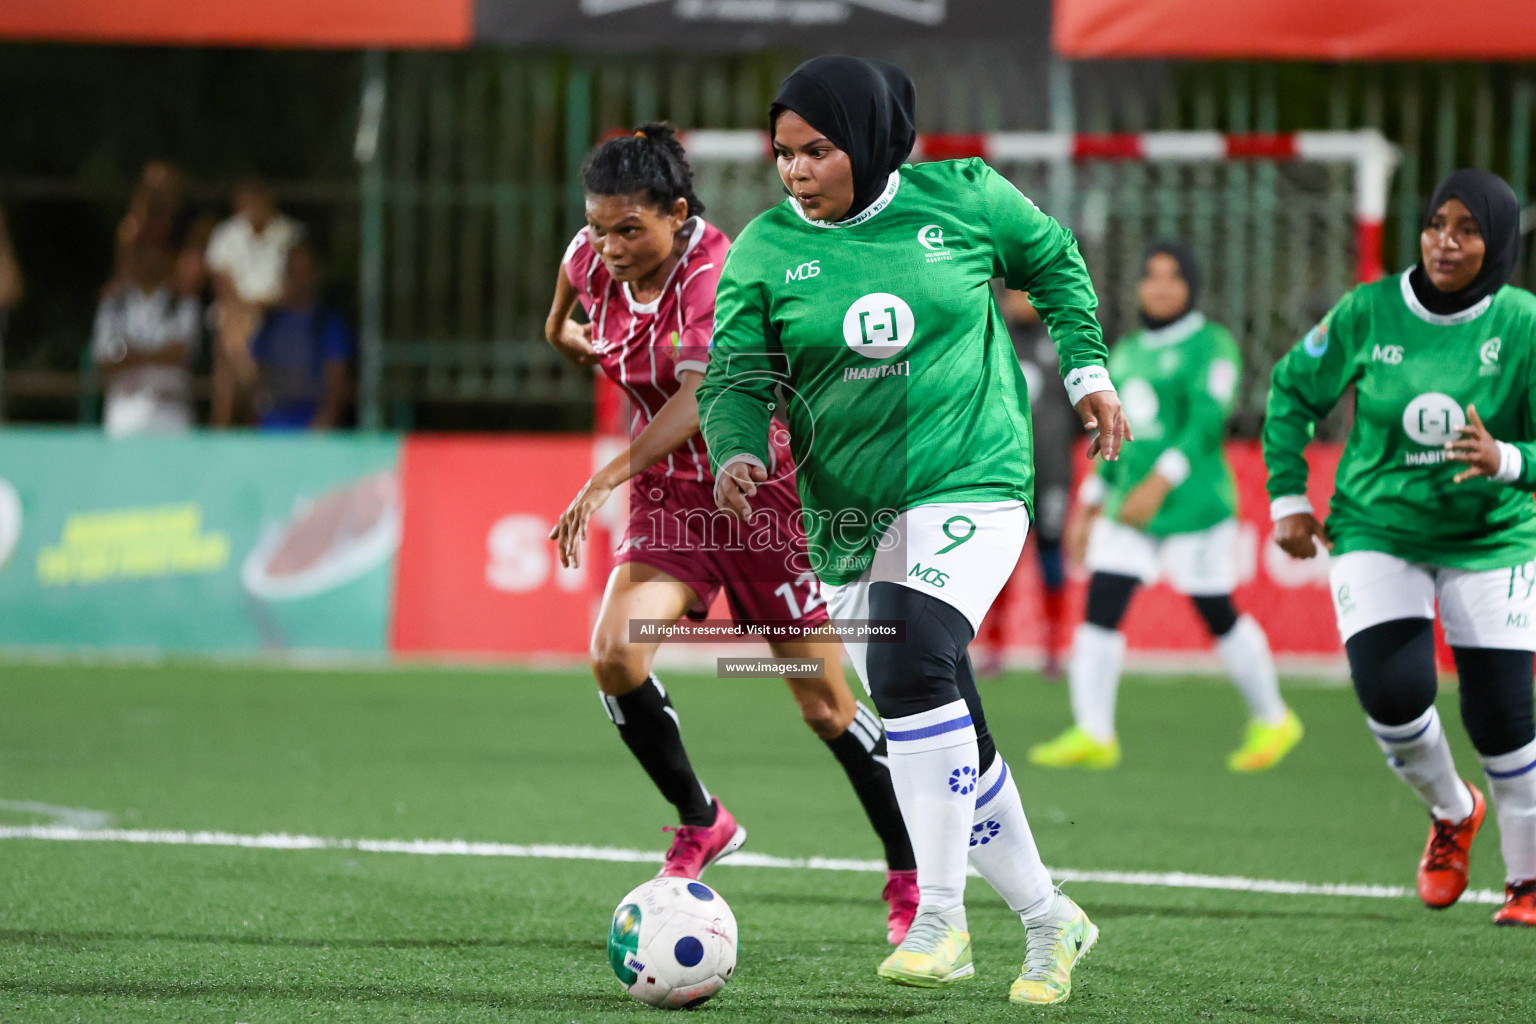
1429 508
1167 510
863 305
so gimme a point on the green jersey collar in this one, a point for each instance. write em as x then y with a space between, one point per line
1175 332
880 203
1466 316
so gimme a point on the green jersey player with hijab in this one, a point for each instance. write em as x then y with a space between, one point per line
1432 507
862 308
1167 510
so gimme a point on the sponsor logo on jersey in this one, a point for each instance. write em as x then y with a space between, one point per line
804 272
878 325
1431 420
1316 341
1389 354
1489 356
901 369
930 575
931 237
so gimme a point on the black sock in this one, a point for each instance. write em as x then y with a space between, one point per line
857 750
651 734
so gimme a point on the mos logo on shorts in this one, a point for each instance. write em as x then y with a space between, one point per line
878 325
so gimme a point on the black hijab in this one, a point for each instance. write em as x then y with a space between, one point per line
1189 270
865 107
1493 205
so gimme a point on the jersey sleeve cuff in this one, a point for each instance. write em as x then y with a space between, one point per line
1511 463
1091 492
1084 381
696 365
1289 505
1173 466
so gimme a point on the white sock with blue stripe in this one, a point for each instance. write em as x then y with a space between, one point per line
1418 753
933 769
1003 848
1512 784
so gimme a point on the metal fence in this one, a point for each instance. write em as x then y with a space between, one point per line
477 195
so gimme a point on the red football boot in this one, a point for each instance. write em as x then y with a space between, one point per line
1443 868
1519 904
696 847
901 893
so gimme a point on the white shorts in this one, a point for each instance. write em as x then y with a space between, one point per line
959 552
1488 608
1202 564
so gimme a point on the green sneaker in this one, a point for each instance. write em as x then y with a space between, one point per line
935 953
1076 749
1051 949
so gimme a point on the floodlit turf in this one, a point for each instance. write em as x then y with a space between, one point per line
125 933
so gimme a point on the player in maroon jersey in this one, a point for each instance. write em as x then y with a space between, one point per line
645 269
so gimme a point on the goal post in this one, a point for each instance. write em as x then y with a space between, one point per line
1283 224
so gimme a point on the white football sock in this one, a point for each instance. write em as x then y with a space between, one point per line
1003 848
1094 677
1245 651
1418 753
1512 784
933 769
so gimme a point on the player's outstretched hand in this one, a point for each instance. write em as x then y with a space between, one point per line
736 485
1476 447
1301 534
571 530
1102 414
575 343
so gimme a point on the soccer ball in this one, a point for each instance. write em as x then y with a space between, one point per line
672 943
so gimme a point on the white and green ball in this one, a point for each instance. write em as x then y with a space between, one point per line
672 943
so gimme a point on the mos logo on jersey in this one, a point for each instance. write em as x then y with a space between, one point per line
878 325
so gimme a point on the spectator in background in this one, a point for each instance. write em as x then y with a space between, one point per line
10 275
247 255
146 334
10 296
301 354
160 221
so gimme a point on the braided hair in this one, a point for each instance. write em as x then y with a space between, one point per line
649 162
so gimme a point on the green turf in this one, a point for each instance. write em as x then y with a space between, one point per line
113 932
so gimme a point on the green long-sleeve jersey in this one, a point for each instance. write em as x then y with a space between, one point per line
895 366
1414 373
1177 384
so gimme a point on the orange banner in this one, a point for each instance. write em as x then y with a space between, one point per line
1295 29
341 24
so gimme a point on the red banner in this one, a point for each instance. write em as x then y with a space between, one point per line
1295 29
477 575
1289 597
337 24
477 572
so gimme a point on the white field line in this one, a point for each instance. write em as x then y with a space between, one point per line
465 848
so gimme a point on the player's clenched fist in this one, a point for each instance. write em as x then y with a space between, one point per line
1301 534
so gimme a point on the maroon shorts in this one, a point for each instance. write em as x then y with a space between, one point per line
760 562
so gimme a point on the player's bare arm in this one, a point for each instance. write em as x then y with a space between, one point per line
570 339
674 424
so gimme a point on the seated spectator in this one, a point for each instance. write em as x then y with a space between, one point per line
247 255
301 354
144 341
